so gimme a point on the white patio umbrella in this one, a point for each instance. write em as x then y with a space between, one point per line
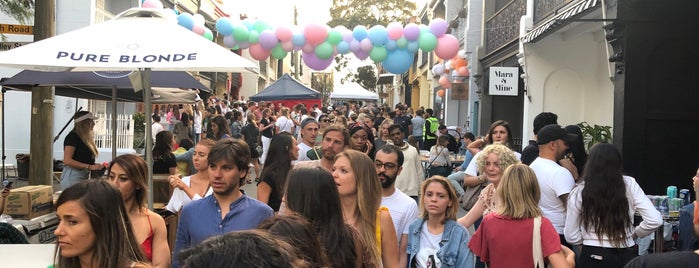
137 39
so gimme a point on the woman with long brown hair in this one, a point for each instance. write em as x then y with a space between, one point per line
79 150
360 195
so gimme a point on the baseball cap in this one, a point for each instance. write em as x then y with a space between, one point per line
85 116
554 132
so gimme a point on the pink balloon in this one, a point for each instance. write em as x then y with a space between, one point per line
308 48
297 48
315 33
444 81
463 71
152 4
258 53
361 54
447 46
198 29
284 34
354 46
366 45
395 30
313 62
287 46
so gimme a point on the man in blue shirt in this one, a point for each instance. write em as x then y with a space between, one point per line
227 209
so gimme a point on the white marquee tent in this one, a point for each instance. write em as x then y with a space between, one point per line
352 91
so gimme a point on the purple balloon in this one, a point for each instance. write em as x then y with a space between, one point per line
411 32
438 27
268 39
243 44
315 63
347 36
354 46
366 45
229 41
361 54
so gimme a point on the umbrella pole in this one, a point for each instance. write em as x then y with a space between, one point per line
145 81
3 135
114 122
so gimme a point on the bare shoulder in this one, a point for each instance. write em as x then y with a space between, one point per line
156 219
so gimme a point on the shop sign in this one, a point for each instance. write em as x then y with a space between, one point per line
504 81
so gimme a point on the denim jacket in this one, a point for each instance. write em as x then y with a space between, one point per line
453 251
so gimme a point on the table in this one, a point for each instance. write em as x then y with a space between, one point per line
455 161
659 239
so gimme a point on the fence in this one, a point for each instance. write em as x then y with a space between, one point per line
124 131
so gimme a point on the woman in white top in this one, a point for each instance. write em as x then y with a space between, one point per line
192 187
439 158
601 210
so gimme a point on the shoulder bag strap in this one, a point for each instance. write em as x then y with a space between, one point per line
536 244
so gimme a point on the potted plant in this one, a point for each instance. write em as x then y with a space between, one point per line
593 134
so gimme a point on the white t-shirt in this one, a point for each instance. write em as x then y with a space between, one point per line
284 124
197 122
554 181
303 149
179 198
155 128
403 211
429 245
472 168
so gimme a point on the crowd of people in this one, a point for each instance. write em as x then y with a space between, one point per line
346 186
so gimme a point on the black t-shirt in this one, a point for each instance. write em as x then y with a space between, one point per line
251 134
669 259
82 153
275 200
269 132
453 145
530 153
162 164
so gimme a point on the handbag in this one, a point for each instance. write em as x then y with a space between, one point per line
470 197
536 245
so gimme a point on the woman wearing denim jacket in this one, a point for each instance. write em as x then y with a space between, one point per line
436 239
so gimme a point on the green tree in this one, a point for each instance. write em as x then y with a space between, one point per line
350 13
365 76
20 10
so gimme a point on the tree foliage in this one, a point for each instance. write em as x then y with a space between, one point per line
365 76
350 13
20 10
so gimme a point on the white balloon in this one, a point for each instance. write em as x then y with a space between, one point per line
461 54
198 19
447 65
438 69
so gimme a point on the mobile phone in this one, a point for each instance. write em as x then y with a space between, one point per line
9 184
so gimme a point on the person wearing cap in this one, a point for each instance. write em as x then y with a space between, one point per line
531 152
79 150
555 181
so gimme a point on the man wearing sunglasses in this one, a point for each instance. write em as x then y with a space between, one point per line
403 209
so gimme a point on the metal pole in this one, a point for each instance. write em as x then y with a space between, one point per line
145 81
114 122
3 135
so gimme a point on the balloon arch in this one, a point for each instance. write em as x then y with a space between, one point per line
394 45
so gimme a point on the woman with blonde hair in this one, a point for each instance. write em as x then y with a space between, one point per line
129 174
383 136
360 195
436 237
195 187
491 164
505 237
79 150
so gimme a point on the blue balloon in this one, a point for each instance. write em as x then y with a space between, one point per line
298 39
391 45
359 32
343 47
413 46
249 23
224 26
378 35
186 20
398 61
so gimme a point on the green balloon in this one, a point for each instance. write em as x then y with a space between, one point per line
427 41
278 52
402 42
209 35
378 54
240 33
324 51
260 26
253 37
334 37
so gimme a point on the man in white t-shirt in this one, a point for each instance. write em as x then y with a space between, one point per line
403 209
156 127
555 181
309 132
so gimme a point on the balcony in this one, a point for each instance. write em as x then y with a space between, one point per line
503 27
545 8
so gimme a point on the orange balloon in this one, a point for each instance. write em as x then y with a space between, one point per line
463 71
458 63
440 93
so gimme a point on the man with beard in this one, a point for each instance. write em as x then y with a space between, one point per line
335 139
227 209
309 131
403 209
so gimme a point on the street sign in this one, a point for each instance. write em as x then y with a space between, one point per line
10 45
16 29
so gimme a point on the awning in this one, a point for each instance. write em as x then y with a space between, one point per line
385 79
559 20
